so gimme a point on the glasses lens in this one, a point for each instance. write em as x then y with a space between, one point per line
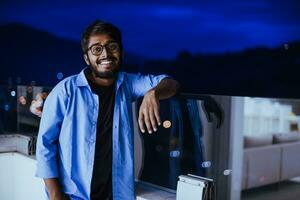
113 46
96 50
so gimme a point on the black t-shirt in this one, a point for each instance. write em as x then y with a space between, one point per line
101 185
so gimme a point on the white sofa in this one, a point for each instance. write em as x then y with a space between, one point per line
270 159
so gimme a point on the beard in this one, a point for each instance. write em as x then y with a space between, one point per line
108 74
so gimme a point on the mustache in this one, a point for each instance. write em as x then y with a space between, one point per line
100 60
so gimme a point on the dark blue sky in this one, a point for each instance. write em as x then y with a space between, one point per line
159 29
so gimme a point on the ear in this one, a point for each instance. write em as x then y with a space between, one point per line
86 59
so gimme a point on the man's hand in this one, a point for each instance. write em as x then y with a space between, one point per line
149 112
54 189
58 196
149 109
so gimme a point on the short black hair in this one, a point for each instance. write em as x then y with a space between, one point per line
100 27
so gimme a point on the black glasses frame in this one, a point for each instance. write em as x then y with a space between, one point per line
102 48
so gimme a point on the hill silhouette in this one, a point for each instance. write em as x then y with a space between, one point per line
35 55
260 71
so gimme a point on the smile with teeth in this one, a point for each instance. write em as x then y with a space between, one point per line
105 62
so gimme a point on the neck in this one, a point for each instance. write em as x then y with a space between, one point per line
100 81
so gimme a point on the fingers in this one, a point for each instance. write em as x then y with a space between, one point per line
149 117
141 121
157 115
149 113
152 120
148 123
144 119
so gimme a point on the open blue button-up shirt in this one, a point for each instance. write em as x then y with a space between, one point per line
67 134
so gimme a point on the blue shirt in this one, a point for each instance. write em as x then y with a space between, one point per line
67 134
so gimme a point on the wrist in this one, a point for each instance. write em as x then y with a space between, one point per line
57 194
152 92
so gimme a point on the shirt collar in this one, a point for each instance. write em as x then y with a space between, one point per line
82 81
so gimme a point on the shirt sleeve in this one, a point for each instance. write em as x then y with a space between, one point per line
49 130
140 84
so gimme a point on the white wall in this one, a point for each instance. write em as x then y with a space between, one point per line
6 180
17 178
264 116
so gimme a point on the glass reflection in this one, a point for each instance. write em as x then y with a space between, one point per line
181 145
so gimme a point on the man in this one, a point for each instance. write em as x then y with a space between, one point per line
85 141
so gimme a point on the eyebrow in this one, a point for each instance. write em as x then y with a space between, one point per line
98 43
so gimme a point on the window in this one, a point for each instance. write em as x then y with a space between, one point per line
188 146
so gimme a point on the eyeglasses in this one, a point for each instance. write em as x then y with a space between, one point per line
97 49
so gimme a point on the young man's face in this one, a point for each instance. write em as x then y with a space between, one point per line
103 56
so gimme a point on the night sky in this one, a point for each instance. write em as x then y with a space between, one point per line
160 29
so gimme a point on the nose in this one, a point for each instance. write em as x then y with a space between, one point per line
103 53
